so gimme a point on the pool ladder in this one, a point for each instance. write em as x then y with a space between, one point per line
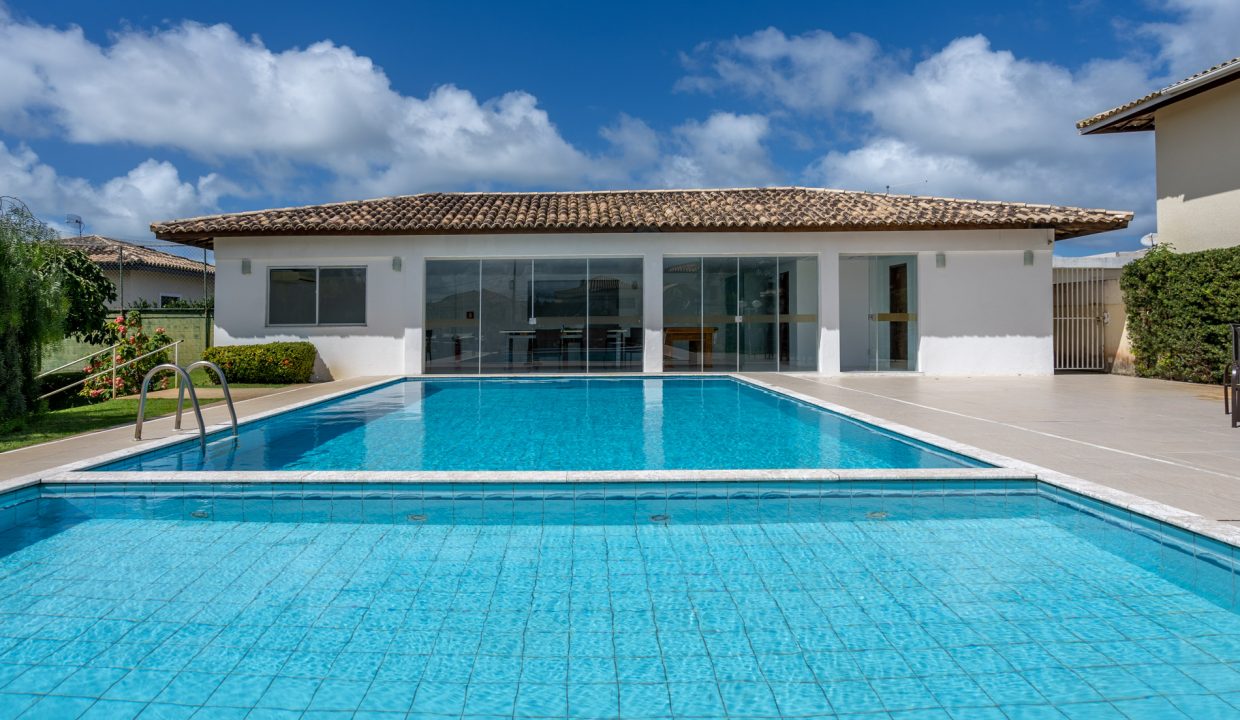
183 373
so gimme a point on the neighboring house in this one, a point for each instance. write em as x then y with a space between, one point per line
762 279
144 275
1196 126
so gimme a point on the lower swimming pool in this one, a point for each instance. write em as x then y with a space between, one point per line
549 424
902 600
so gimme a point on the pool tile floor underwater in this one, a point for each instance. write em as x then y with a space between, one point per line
944 618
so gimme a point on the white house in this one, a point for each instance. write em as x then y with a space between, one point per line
761 279
1196 126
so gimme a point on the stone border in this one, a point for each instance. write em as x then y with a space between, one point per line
1005 468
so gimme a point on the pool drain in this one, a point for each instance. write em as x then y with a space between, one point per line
659 518
416 518
876 515
201 514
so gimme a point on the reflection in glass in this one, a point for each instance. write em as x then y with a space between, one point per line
614 336
682 314
756 308
521 315
451 316
507 329
559 315
720 289
753 313
798 313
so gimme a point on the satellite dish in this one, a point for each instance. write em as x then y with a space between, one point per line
1149 240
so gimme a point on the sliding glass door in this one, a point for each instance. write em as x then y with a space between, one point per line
542 315
740 313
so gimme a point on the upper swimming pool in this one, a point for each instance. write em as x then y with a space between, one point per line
553 424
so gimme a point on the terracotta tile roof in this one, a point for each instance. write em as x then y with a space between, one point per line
783 209
106 253
1138 114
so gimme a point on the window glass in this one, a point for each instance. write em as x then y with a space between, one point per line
452 315
291 296
342 296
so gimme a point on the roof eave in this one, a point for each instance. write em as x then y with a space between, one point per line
1140 117
1062 231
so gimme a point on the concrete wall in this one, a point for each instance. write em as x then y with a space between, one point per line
193 330
1197 143
985 313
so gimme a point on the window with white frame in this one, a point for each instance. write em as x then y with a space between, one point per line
316 296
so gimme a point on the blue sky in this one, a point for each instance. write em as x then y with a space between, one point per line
126 113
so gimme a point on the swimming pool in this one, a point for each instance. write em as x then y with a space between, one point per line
547 424
934 599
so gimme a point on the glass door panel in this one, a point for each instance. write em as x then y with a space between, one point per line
720 293
614 334
452 316
507 335
683 348
798 313
893 312
560 297
758 304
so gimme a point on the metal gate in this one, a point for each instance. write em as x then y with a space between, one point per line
1080 333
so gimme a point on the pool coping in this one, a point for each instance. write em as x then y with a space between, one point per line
1005 468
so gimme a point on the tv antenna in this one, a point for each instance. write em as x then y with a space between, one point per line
887 191
75 220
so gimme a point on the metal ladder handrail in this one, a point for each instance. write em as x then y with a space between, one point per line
193 397
223 384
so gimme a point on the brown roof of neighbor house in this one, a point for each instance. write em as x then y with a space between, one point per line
109 253
1138 115
780 209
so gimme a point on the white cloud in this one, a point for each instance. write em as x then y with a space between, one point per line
123 206
724 150
219 96
814 71
1205 33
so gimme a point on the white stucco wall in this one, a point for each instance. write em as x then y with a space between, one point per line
150 284
1197 145
985 313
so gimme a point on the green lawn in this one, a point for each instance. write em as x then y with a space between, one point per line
72 421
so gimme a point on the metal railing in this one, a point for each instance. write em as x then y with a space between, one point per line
175 345
186 381
75 362
223 384
193 398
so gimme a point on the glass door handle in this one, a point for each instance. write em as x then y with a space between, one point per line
893 317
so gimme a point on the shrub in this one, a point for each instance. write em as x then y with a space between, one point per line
134 342
278 362
1180 308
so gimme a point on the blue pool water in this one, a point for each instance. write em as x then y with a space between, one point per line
555 424
965 600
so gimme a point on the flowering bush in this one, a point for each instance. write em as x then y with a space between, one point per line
126 332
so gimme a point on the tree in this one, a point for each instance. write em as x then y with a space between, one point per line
32 308
86 292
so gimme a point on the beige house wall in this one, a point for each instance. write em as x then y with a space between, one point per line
1197 145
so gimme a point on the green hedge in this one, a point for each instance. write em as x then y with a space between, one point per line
1180 308
279 362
